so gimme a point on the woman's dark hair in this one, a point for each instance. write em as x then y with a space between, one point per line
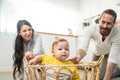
19 50
110 12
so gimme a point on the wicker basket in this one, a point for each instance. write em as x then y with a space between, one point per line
87 70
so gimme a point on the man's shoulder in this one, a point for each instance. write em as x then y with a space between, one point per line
95 27
116 30
115 33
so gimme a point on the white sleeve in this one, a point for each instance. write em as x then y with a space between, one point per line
38 48
118 61
114 51
85 39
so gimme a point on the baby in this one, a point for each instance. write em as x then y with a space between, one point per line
59 55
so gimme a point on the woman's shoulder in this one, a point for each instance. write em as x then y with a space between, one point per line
36 35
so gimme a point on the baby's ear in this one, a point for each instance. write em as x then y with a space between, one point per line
53 53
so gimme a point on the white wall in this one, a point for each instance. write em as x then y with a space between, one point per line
45 15
6 50
92 8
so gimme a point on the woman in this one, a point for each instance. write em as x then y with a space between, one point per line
27 43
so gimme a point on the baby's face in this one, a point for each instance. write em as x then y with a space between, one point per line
61 51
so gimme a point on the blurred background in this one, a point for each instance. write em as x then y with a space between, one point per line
50 16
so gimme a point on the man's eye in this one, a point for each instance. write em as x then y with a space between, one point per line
103 22
109 23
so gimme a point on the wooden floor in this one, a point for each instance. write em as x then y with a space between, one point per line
8 76
118 78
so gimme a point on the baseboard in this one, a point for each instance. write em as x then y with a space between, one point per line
5 69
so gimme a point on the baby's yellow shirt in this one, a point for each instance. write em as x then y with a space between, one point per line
50 59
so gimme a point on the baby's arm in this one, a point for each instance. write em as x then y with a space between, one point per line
35 60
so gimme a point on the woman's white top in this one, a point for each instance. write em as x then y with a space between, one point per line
35 45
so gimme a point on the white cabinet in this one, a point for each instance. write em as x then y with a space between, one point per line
48 38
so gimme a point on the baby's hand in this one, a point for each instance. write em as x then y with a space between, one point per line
35 60
32 61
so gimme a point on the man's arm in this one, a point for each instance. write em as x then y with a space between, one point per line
109 69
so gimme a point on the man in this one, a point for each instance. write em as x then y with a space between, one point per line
107 42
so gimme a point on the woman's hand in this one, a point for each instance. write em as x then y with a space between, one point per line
29 55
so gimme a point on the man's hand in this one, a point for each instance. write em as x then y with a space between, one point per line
80 55
109 69
75 60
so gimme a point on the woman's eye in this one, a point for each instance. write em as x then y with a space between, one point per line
24 31
30 30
